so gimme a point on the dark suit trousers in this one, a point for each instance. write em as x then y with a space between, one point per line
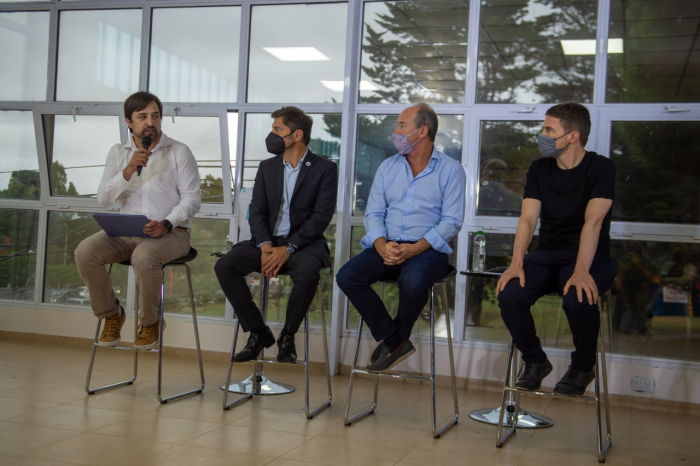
302 267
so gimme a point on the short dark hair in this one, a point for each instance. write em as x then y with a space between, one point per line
295 118
425 116
573 117
139 101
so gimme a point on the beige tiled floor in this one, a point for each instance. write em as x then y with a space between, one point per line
46 419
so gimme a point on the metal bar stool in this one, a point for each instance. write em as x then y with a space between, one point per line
181 262
511 398
258 383
436 433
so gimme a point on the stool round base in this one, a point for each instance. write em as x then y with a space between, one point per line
525 420
264 386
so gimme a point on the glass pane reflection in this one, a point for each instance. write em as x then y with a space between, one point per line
660 51
656 179
202 136
77 151
656 299
374 146
507 148
194 54
415 50
533 51
303 64
18 247
24 63
207 236
62 283
99 55
19 164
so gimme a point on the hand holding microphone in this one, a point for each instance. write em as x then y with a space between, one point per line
145 143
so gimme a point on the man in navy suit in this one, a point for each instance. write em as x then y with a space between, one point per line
294 198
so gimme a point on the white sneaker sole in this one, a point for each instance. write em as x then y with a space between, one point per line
147 347
109 343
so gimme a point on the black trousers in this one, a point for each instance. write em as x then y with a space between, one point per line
546 272
302 267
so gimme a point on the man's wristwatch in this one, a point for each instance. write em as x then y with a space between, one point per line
290 248
168 225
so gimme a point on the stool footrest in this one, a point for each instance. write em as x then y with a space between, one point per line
393 376
541 393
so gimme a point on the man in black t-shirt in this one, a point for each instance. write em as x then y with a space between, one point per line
571 191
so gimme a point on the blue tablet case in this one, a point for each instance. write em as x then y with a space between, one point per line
122 225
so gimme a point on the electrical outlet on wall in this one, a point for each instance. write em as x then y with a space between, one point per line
643 384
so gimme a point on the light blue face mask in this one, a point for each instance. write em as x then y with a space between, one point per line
547 145
401 142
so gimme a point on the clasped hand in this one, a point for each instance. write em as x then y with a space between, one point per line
272 260
394 253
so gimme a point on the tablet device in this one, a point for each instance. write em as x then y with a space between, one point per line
122 225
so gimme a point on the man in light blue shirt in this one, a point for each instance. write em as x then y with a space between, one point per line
415 207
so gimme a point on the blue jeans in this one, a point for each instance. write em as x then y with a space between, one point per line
415 278
547 271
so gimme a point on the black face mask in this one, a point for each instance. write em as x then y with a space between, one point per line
275 143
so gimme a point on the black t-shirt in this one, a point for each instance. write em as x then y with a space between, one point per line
565 194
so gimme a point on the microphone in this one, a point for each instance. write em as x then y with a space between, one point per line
145 143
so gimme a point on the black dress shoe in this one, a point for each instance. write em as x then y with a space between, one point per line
388 360
574 382
532 374
254 346
287 349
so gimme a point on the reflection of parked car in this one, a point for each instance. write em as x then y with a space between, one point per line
77 302
56 296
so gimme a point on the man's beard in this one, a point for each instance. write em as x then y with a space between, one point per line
155 134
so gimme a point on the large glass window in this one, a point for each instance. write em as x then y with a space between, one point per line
374 146
98 55
19 164
24 64
507 150
658 54
303 64
414 50
207 236
202 136
657 177
533 51
62 282
194 54
77 151
656 299
18 248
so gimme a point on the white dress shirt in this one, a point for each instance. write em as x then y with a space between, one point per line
168 187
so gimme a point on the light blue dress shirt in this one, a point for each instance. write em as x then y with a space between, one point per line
290 180
402 207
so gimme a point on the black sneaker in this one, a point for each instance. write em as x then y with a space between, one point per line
388 360
574 382
532 374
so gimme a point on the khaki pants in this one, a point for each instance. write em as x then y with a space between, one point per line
147 256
